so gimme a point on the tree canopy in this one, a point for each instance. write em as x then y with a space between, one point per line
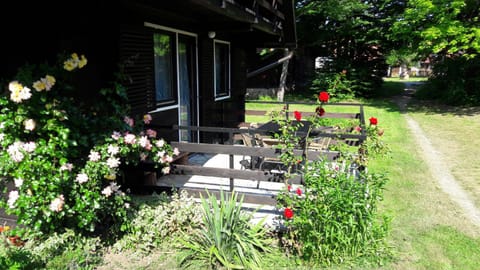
440 27
362 37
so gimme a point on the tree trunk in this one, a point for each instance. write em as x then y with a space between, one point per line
283 79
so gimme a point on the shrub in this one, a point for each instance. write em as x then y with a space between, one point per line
63 157
68 250
226 238
160 220
337 85
334 217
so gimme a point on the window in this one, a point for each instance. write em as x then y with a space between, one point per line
221 69
165 82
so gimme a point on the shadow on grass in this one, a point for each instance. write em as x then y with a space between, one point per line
394 91
435 107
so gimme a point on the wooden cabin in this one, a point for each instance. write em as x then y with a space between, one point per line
186 61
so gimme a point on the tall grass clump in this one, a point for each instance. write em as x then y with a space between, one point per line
227 238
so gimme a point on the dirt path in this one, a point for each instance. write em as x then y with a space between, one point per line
438 167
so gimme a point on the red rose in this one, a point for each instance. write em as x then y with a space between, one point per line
320 111
299 192
288 213
298 115
289 188
373 121
323 96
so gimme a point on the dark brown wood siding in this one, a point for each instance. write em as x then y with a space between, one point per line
136 55
221 113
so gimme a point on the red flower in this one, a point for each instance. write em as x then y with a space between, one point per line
323 96
357 128
298 115
289 188
373 121
288 213
320 111
299 192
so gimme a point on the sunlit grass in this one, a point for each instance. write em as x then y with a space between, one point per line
453 131
420 210
410 79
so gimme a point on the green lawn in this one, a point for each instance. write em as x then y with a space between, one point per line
428 232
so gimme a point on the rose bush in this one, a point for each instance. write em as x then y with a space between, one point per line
61 158
332 216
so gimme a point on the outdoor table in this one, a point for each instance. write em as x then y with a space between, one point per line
272 127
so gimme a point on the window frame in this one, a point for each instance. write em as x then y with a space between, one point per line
174 103
171 102
227 94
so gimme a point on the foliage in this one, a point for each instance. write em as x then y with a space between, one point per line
440 27
447 33
59 251
401 57
45 137
373 146
160 220
13 256
227 238
454 81
351 34
288 139
335 217
67 250
336 84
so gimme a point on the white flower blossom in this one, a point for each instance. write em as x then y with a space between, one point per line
110 189
107 191
29 124
161 154
94 156
14 151
82 178
160 143
130 139
57 204
29 147
175 151
12 198
66 167
166 170
113 162
18 182
113 150
18 92
145 143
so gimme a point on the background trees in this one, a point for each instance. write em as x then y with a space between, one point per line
361 37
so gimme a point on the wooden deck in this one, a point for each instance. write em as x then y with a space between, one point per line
253 166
